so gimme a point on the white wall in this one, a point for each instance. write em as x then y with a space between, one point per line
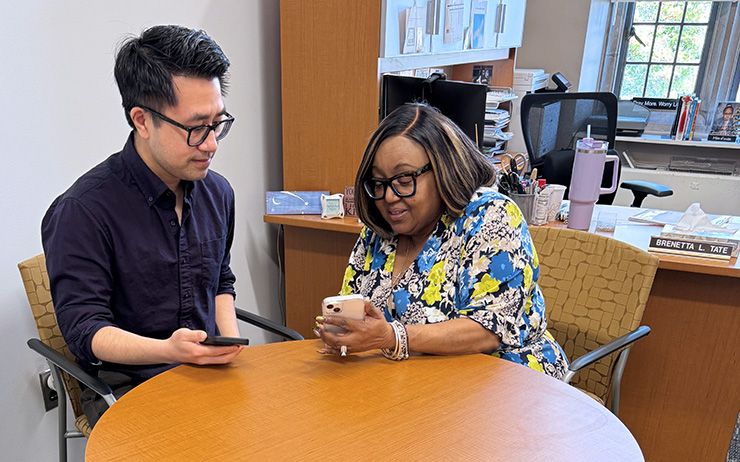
62 115
717 194
565 36
554 35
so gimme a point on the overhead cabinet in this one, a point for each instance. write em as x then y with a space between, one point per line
422 27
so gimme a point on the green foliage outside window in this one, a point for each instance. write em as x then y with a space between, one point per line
671 11
664 49
646 12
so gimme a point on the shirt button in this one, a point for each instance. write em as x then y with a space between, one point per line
150 199
187 295
173 222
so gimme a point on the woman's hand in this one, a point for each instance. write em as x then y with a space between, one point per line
372 332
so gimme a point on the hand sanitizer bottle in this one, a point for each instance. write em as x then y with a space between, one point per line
585 182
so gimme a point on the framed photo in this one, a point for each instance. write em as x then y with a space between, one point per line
726 122
482 74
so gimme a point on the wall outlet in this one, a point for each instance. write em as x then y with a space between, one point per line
51 397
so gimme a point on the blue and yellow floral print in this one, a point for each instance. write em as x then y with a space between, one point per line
481 265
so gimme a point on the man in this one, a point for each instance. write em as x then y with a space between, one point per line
138 249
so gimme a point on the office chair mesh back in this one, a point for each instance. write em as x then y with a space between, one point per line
36 282
553 122
595 290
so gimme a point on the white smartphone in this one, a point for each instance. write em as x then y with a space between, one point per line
346 306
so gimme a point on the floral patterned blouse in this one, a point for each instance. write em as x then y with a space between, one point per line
481 265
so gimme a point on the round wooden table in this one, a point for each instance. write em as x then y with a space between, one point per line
284 401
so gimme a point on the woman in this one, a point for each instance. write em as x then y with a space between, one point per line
446 263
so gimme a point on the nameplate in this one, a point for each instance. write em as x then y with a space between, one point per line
657 103
723 138
293 202
691 248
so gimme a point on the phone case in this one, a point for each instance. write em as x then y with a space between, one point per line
347 306
225 341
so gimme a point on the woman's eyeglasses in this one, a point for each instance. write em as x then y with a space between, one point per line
197 135
402 185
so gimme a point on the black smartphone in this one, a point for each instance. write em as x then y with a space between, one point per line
218 340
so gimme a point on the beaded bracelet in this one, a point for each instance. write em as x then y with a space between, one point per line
401 350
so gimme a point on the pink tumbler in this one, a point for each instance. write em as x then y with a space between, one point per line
585 183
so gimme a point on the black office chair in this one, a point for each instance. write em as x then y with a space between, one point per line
553 122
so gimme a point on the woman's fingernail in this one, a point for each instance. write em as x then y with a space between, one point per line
317 333
320 319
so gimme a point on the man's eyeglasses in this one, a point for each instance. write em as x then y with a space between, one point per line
197 135
402 185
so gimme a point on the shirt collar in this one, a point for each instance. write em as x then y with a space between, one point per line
150 185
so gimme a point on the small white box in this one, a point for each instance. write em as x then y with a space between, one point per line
527 74
530 79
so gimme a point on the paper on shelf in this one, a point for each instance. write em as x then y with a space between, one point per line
453 21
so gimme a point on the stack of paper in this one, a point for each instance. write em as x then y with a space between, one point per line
494 135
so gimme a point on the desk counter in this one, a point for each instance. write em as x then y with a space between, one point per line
636 234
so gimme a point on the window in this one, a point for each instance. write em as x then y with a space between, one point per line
664 48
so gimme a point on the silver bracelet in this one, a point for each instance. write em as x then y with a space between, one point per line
401 349
387 352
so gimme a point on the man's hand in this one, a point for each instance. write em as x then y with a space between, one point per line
116 345
185 347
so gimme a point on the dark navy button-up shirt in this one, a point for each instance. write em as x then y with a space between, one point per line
117 255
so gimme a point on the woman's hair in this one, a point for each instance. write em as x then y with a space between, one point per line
145 65
457 164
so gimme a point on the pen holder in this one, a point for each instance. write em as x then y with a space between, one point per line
526 203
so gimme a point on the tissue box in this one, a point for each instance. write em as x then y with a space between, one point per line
293 202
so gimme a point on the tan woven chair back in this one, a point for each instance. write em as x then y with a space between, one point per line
595 290
36 281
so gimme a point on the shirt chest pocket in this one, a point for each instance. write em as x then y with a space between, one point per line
212 254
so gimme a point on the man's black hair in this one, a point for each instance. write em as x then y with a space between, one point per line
145 65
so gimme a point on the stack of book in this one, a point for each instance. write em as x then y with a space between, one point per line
721 245
687 115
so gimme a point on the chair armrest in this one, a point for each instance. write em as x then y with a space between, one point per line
609 348
268 325
647 187
59 360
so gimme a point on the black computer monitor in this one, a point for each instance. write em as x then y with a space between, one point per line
463 102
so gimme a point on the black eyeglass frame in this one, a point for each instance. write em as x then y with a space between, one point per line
367 186
210 128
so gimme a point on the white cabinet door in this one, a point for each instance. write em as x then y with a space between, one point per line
509 20
397 27
453 20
